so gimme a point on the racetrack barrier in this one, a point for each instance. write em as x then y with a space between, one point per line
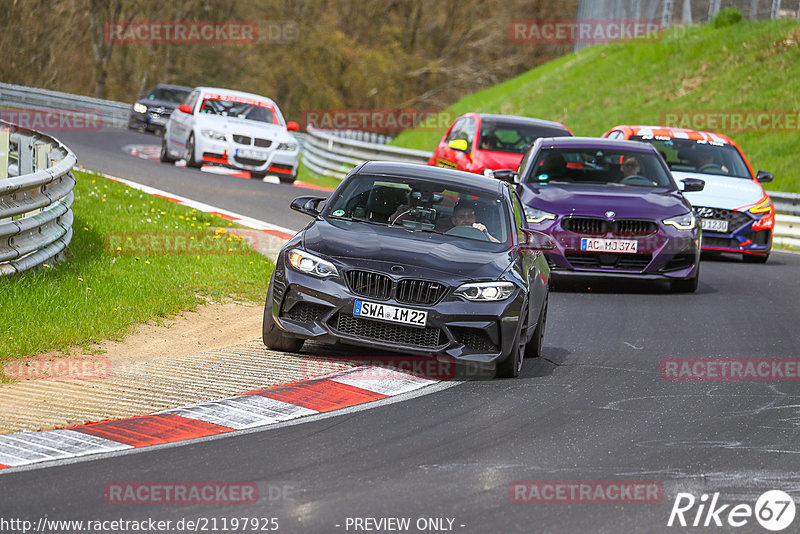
36 184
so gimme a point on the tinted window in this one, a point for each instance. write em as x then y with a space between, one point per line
599 166
240 110
170 95
688 155
512 137
412 204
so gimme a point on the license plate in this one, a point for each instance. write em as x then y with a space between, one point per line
250 153
715 225
155 119
394 314
625 246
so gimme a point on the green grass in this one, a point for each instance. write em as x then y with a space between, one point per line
100 292
744 67
304 174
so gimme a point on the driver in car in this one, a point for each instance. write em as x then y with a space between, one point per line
630 167
464 215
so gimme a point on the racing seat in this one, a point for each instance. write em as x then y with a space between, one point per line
383 201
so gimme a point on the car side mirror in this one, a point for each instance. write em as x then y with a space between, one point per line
693 184
459 144
292 126
184 108
507 175
307 205
764 176
535 240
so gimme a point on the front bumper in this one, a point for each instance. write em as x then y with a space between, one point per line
150 121
322 309
260 160
751 233
668 253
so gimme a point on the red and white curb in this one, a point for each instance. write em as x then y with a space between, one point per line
254 409
153 153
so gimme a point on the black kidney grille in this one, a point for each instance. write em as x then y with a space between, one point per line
241 139
389 333
419 292
585 225
622 227
264 143
631 227
369 284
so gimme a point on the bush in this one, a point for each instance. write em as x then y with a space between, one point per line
727 17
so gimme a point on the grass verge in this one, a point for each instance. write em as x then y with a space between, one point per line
304 174
114 277
743 68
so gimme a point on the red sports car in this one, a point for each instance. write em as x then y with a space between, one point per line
481 143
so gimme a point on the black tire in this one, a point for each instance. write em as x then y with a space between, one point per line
534 347
749 258
287 179
164 156
274 338
689 285
512 365
190 161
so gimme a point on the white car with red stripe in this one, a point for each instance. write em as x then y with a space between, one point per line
233 129
734 211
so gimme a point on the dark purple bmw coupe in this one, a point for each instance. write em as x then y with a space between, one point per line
613 208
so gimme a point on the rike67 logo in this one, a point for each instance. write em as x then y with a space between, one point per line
774 510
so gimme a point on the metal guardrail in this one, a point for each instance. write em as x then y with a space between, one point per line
114 114
332 153
788 203
36 184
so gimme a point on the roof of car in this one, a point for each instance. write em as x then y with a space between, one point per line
429 172
595 142
674 133
231 92
171 86
521 120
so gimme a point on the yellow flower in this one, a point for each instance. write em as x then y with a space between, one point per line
93 181
80 279
147 262
88 288
103 200
85 228
46 266
194 218
119 248
251 263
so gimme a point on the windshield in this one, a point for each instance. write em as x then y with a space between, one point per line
688 155
422 205
499 136
252 110
599 166
170 95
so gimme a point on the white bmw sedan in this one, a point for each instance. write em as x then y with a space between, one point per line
232 129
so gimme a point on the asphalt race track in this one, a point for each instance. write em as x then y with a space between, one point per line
594 408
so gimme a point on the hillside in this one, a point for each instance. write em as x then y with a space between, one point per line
744 68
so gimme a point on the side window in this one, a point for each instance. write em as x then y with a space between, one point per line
616 134
455 131
191 100
469 130
519 217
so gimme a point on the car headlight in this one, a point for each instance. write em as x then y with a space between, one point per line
287 146
310 264
485 291
212 134
763 206
687 221
139 108
537 216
